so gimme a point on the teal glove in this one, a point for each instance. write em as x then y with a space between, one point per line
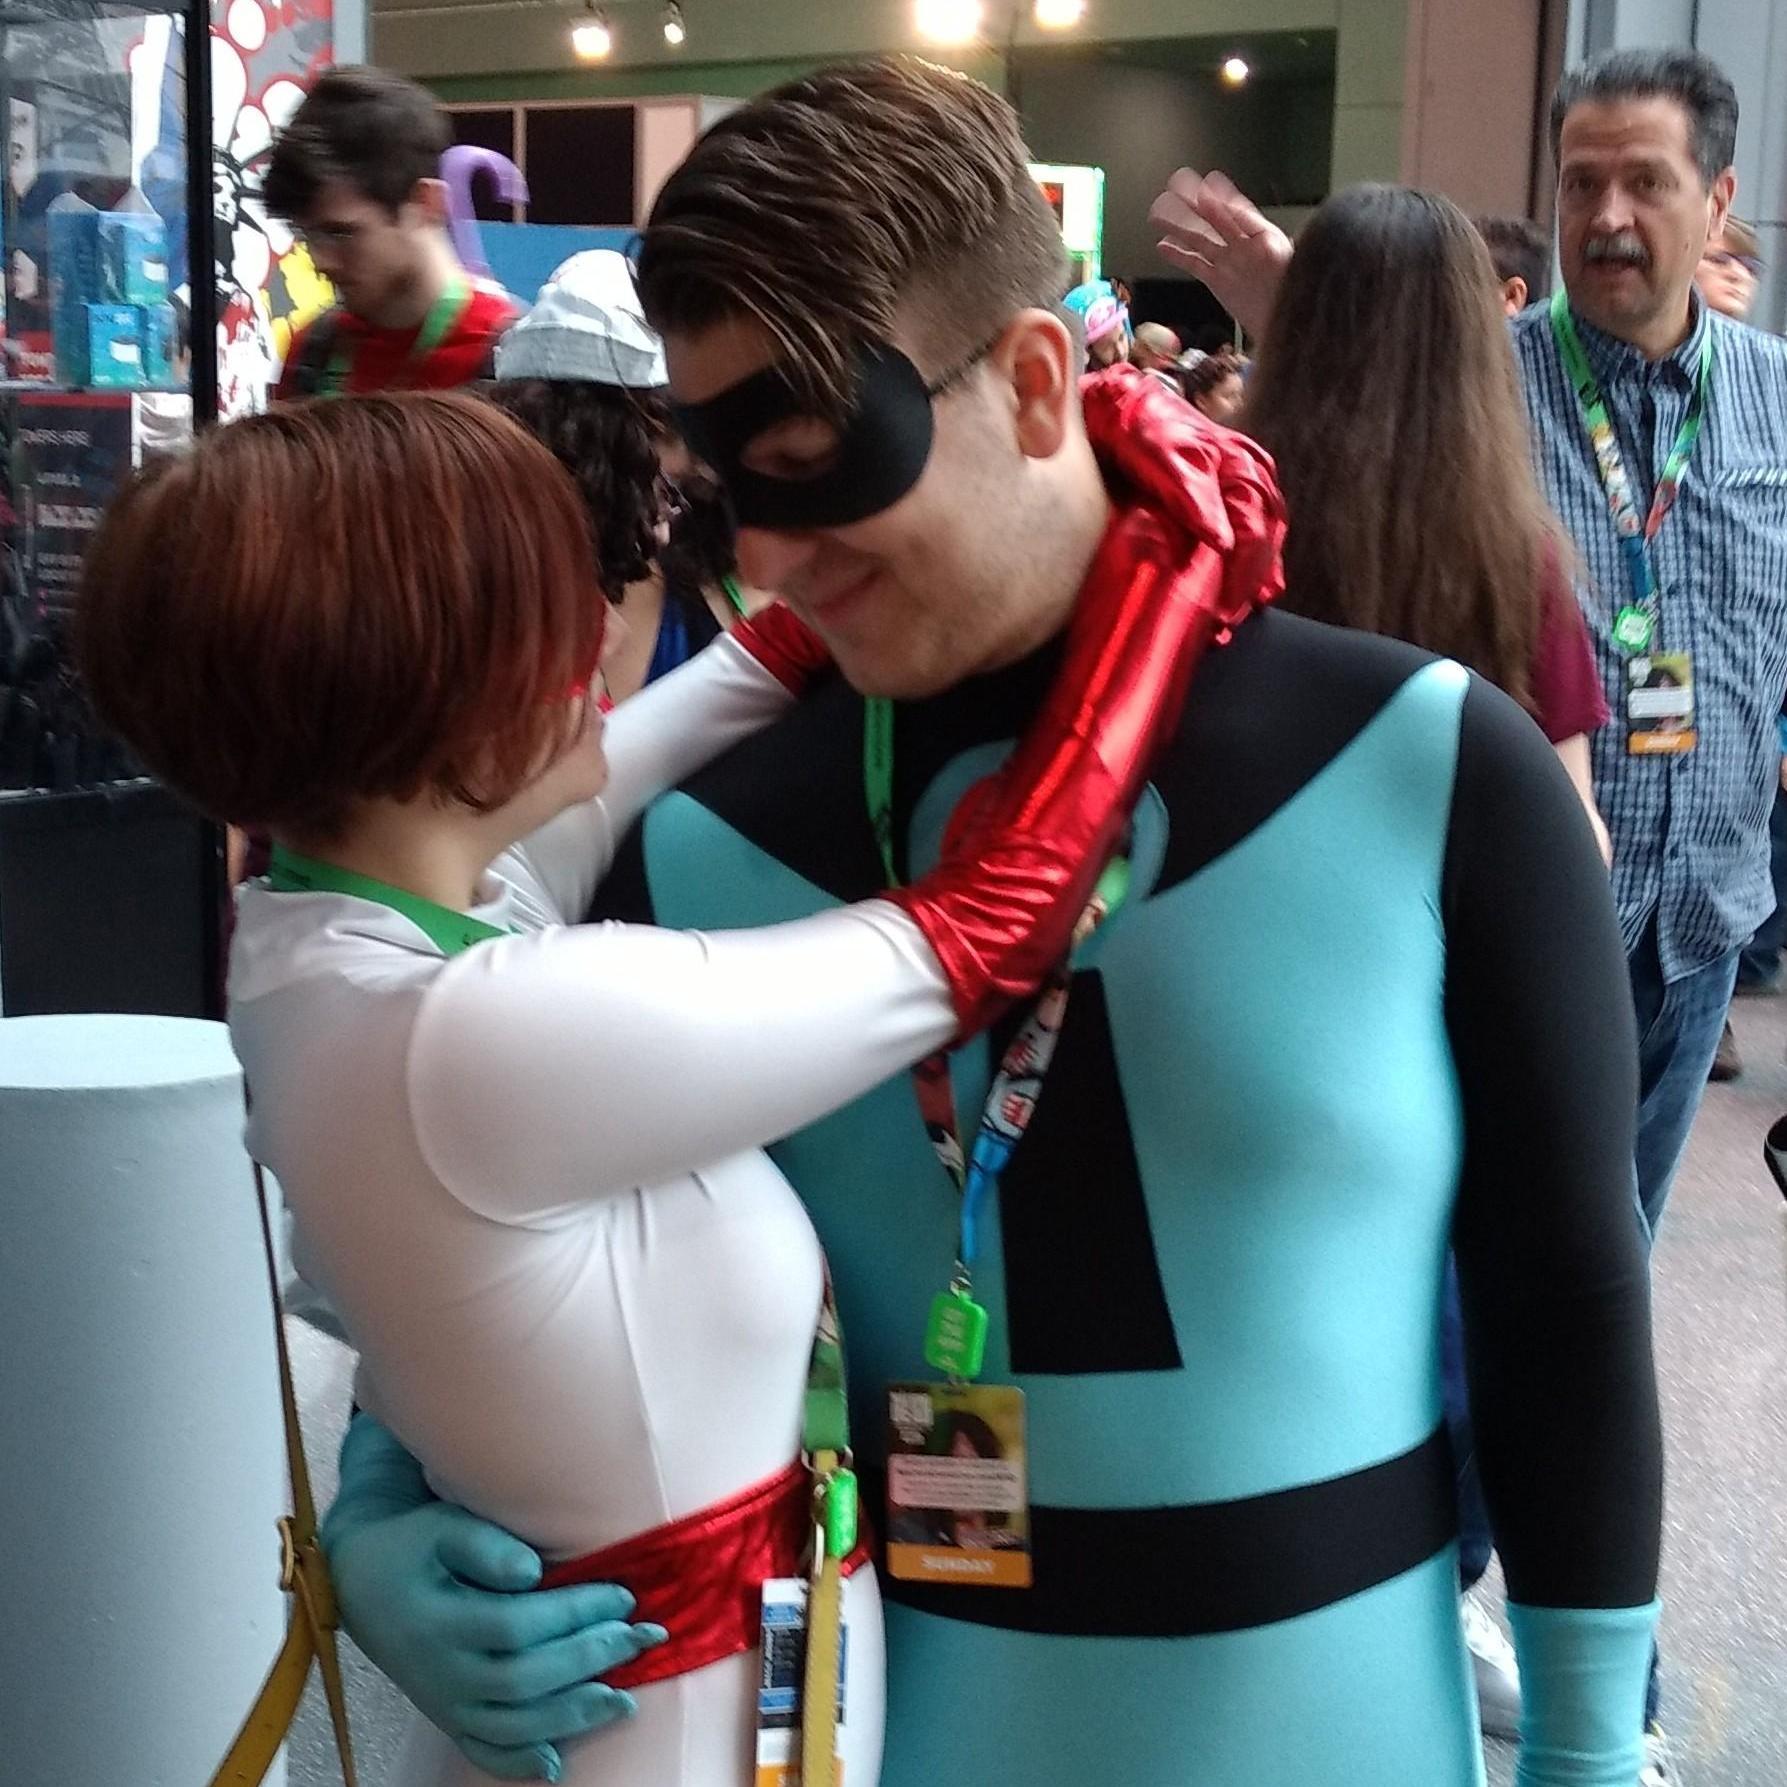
1582 1679
431 1594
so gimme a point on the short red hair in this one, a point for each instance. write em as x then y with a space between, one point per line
364 599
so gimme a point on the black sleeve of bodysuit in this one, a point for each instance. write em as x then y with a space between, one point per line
1552 1258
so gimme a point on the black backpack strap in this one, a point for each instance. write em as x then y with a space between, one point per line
305 374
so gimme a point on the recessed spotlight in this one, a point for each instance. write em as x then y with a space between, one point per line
1059 15
1235 72
949 21
676 33
592 37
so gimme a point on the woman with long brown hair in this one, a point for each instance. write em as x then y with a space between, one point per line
1387 394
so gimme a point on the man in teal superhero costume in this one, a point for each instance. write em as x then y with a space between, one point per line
1363 997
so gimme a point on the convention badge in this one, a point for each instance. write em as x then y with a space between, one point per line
1633 629
956 1334
1660 704
784 1668
958 1506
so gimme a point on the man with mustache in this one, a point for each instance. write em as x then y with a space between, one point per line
1645 142
1661 437
1691 560
357 173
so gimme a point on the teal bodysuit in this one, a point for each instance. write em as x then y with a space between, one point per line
1359 1007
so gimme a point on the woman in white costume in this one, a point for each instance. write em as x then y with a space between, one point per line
585 1301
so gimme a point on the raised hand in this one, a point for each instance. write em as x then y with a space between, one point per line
1210 228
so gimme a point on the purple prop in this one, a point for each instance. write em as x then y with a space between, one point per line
460 167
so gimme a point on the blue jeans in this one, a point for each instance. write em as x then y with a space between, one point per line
1476 1544
1760 963
1679 1025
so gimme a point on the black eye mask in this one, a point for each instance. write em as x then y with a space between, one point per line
882 449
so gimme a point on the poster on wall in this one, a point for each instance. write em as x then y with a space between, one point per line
264 59
1076 196
70 453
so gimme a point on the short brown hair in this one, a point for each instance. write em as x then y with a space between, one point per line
1519 249
1739 237
1695 82
831 205
371 128
367 599
1209 372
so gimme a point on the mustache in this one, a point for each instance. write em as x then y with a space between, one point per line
1624 249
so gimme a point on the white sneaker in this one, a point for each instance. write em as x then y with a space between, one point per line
1493 1664
1659 1763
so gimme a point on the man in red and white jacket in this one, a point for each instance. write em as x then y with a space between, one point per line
357 173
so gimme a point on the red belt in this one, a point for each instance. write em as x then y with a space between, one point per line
701 1578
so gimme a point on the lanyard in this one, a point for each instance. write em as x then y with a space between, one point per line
734 596
825 1431
955 1336
1634 626
450 932
825 1436
444 316
825 1449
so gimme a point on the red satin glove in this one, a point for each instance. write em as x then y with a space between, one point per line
784 645
1219 485
1174 574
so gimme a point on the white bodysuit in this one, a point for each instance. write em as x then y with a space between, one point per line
528 1180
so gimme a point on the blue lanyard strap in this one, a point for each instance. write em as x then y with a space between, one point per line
1017 1085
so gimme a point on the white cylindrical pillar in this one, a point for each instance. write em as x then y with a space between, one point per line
142 1456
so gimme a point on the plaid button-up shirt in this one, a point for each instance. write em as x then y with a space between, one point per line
1690 832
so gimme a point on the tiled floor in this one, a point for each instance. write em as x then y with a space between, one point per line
1721 1303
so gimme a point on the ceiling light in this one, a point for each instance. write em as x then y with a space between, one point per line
1235 72
949 21
592 37
1059 15
676 33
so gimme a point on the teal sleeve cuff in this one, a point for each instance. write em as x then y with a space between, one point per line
1583 1672
378 1478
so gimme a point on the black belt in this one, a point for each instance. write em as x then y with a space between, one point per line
1213 1566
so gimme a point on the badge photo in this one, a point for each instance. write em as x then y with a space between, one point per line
958 1505
1660 705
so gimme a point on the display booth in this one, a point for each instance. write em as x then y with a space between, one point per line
144 296
585 174
1076 196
